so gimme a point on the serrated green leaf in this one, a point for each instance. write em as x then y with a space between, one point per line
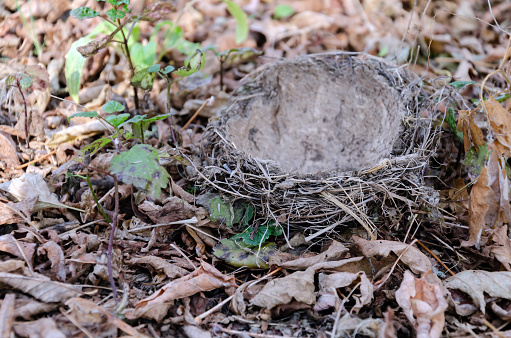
241 20
117 120
112 107
153 68
140 166
282 11
115 14
238 255
90 114
451 121
461 84
84 13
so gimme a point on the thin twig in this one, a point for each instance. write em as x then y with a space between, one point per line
36 160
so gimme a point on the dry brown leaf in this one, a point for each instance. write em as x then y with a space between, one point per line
502 246
7 314
8 151
56 256
424 305
180 192
489 199
170 270
41 328
12 265
173 209
476 283
9 244
87 313
298 286
7 215
483 207
328 285
500 122
29 308
31 185
205 278
412 257
334 252
77 133
40 287
195 332
387 330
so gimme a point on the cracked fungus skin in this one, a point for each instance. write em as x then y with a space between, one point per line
317 115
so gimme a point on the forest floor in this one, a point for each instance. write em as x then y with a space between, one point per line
114 138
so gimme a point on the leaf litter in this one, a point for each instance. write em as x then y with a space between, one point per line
192 264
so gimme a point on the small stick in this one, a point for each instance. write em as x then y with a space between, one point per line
435 256
196 114
199 318
36 160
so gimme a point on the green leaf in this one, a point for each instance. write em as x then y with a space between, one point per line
241 20
140 166
239 255
75 61
260 236
282 11
168 69
474 161
193 64
117 120
83 114
153 68
25 81
143 56
451 121
84 13
461 84
115 14
93 147
118 2
143 79
112 107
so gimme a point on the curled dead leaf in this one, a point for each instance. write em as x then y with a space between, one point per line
424 305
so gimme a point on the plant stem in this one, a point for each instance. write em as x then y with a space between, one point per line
128 55
111 241
18 85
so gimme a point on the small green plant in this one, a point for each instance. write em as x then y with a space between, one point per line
23 83
282 12
118 17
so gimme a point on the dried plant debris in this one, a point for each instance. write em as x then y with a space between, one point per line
273 145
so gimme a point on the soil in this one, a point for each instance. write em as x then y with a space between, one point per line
313 115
